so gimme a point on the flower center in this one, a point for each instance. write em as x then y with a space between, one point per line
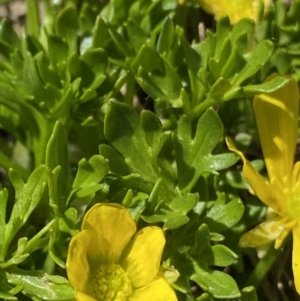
110 283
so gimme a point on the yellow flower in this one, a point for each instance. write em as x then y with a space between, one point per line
277 121
109 261
235 9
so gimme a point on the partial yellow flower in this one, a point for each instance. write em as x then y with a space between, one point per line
277 121
109 261
235 9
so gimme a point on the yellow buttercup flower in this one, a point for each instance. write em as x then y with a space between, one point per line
277 121
109 261
235 9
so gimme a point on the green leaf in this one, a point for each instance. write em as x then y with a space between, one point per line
48 76
219 88
136 35
201 251
100 33
93 66
185 268
3 202
117 163
5 49
244 26
268 86
152 127
120 42
149 59
221 48
255 59
166 37
205 297
250 90
236 61
150 69
88 176
31 194
27 198
191 56
68 221
173 214
7 296
90 172
218 62
219 284
206 49
202 255
223 216
137 203
7 292
8 34
41 285
87 18
223 256
66 27
222 34
58 51
19 255
119 188
57 166
97 60
116 11
35 242
124 131
193 156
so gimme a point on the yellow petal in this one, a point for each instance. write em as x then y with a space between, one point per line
143 261
282 236
83 297
296 257
235 9
111 227
277 121
157 290
261 188
296 176
77 263
288 225
263 234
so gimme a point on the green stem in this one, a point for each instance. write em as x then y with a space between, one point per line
49 265
203 106
119 83
130 89
33 23
262 268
